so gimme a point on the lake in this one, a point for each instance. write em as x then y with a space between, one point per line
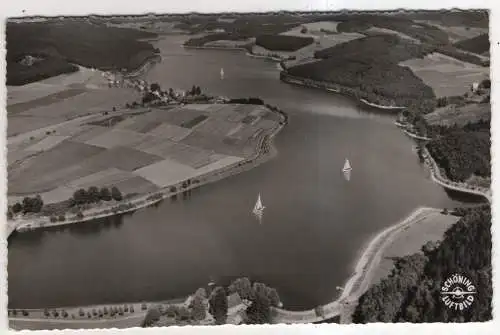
314 226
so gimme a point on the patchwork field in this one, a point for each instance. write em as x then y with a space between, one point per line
447 76
313 28
322 41
139 154
60 98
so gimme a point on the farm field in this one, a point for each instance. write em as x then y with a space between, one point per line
139 154
57 99
445 75
459 115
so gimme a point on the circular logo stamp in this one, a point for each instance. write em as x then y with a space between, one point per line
458 292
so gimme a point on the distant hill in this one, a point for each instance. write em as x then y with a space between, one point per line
57 45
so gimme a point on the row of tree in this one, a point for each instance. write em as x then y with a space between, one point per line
29 205
94 195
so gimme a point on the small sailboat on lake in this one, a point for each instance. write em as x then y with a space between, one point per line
347 166
258 209
221 73
347 170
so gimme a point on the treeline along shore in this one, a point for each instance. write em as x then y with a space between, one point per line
357 94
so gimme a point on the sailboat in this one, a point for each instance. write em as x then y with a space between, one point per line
221 73
347 166
347 170
258 209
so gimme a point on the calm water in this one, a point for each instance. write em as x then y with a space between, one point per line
313 229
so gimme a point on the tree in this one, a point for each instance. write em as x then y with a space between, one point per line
197 90
93 194
152 315
17 207
80 197
243 287
199 311
259 311
171 92
105 194
116 194
218 305
155 87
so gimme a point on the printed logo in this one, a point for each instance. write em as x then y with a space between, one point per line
458 292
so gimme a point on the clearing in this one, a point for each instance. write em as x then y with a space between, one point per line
447 76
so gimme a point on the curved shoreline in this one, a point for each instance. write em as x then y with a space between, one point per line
359 282
247 53
335 88
265 151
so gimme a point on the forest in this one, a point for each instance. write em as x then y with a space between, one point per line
411 293
463 152
478 44
283 42
369 66
60 45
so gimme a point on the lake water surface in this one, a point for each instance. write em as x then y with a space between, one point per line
315 223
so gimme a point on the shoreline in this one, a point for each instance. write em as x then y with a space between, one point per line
265 151
445 182
369 258
247 53
360 280
144 67
335 88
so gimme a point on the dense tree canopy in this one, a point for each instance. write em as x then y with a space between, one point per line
412 292
463 152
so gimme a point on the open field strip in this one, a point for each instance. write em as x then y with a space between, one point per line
456 33
460 116
392 32
53 85
447 76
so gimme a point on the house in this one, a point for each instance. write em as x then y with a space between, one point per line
234 300
475 87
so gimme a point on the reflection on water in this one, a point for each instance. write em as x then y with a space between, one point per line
465 197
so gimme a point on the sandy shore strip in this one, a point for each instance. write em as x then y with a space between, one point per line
364 271
411 239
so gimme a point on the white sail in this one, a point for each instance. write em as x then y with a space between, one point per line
258 209
347 166
221 73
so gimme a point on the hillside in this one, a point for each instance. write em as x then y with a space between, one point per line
54 46
479 44
412 292
465 152
370 67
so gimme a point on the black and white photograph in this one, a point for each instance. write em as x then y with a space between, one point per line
235 168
